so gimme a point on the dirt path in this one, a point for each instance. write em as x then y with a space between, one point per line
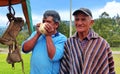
116 52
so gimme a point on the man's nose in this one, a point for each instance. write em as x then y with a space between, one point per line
80 22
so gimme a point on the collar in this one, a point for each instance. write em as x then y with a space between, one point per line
54 35
90 35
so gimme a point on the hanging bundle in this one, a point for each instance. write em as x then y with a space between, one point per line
9 38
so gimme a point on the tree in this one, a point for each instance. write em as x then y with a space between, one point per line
104 15
107 28
64 28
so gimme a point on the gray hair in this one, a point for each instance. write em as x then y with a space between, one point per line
54 14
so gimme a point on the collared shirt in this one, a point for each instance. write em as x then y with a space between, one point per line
83 43
94 58
40 61
87 38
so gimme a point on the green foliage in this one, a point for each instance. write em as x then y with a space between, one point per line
23 35
108 28
64 29
73 29
104 15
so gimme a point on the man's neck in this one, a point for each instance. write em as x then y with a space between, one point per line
83 35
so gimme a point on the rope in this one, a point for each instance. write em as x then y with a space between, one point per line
11 13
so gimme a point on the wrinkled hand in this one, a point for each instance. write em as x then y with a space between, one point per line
50 30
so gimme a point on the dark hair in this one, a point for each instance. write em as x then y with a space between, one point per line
54 14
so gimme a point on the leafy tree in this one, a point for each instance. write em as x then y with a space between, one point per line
64 28
23 35
104 15
108 28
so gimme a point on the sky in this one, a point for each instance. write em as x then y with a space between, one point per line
38 7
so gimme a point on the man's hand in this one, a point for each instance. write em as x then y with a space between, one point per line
50 30
37 29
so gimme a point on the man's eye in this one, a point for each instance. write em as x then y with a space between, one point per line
83 19
43 21
76 19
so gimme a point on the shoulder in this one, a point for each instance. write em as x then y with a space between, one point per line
60 34
70 41
33 33
103 42
101 38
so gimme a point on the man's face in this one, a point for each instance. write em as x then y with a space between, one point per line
49 20
82 22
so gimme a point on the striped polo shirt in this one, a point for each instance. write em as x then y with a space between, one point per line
92 56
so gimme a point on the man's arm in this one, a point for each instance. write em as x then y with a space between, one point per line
54 49
50 47
65 62
28 45
111 62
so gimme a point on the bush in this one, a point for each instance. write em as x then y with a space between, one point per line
115 43
22 36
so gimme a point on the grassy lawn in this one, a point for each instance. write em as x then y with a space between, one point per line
117 63
6 68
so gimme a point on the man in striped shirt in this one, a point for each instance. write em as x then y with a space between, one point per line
86 52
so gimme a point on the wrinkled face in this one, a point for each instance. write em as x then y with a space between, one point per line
82 22
49 20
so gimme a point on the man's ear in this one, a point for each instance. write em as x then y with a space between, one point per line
57 25
92 22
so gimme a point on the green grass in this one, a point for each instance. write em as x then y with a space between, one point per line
6 68
117 63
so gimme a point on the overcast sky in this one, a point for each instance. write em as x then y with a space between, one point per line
38 7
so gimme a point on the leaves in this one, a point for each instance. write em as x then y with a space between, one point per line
108 28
